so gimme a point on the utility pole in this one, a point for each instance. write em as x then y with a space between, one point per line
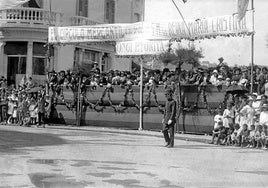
252 46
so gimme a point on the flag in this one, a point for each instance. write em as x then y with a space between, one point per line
184 1
242 6
4 4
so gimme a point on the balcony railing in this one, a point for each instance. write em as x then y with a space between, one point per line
33 17
29 16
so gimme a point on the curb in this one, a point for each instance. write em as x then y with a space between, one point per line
185 137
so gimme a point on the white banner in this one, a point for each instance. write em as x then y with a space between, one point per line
196 29
141 47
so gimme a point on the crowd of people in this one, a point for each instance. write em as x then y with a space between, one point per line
243 123
25 105
27 108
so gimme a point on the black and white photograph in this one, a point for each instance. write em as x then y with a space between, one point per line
133 94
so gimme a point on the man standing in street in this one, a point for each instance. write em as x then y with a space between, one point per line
169 119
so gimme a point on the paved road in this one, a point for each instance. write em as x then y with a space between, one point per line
51 158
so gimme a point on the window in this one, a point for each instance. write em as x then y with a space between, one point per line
82 8
39 59
104 62
109 11
39 65
137 17
88 57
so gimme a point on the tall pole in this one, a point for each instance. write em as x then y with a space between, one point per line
252 46
182 18
48 45
141 94
141 80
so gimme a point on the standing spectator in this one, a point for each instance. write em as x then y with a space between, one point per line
264 115
262 79
265 87
33 112
41 109
228 116
10 106
247 114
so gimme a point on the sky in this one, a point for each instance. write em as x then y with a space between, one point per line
234 50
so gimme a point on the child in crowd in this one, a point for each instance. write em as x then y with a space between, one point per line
10 110
15 114
218 127
264 137
228 116
235 136
230 131
258 136
243 135
33 113
251 137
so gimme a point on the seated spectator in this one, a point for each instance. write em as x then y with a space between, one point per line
227 82
243 80
251 137
264 137
243 135
228 140
257 137
235 137
220 81
236 75
218 126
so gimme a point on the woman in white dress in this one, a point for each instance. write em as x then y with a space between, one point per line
247 114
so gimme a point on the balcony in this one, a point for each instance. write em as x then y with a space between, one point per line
29 17
39 18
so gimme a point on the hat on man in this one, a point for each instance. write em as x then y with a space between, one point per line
221 59
215 71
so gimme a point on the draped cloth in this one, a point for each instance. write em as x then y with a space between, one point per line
6 4
242 6
39 2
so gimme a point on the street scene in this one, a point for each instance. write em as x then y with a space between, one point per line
133 93
109 158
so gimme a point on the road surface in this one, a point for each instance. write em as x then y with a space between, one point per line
56 158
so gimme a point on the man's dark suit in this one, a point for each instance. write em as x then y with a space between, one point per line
169 114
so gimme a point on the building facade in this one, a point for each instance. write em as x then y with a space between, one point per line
24 35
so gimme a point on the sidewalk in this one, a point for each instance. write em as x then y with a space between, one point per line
178 136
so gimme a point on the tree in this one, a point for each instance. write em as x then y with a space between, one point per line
182 55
